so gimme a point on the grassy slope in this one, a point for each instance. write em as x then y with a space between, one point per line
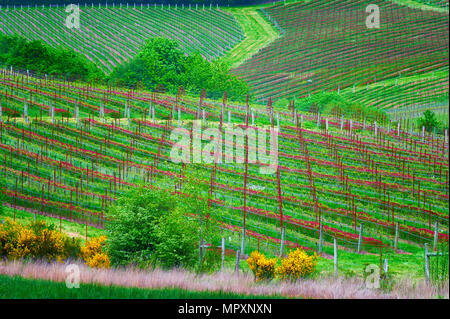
258 34
22 288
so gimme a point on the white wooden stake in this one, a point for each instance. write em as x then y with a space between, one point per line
335 257
223 254
427 263
360 237
436 233
283 234
396 236
320 238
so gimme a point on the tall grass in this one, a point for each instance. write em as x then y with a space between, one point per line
242 284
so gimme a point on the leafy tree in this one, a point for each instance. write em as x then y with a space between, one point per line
131 231
161 62
152 227
429 121
37 56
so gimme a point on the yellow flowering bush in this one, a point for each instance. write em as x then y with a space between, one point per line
99 260
263 268
93 255
36 240
297 265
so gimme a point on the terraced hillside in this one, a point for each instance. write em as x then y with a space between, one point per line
333 175
111 35
326 46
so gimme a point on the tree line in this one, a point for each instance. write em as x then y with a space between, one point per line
160 65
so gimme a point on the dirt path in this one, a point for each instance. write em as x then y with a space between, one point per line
258 34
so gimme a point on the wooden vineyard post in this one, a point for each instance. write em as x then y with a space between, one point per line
320 238
223 254
396 236
427 263
236 268
283 235
335 257
243 241
360 237
436 234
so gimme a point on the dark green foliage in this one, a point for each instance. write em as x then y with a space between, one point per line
429 121
39 57
161 63
131 232
151 227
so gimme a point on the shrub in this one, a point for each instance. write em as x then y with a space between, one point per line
150 226
297 265
429 121
176 240
99 260
93 254
131 231
162 66
35 240
263 268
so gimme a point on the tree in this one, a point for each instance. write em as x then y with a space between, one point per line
162 63
153 227
429 121
38 56
131 231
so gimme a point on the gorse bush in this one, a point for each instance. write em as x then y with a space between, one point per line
263 268
93 254
298 264
36 240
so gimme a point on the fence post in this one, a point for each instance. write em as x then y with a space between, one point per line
436 233
283 234
320 238
427 263
335 257
396 236
386 266
200 247
243 241
360 237
236 268
223 254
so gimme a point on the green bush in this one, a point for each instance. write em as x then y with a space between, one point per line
131 231
151 227
429 121
162 64
37 56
